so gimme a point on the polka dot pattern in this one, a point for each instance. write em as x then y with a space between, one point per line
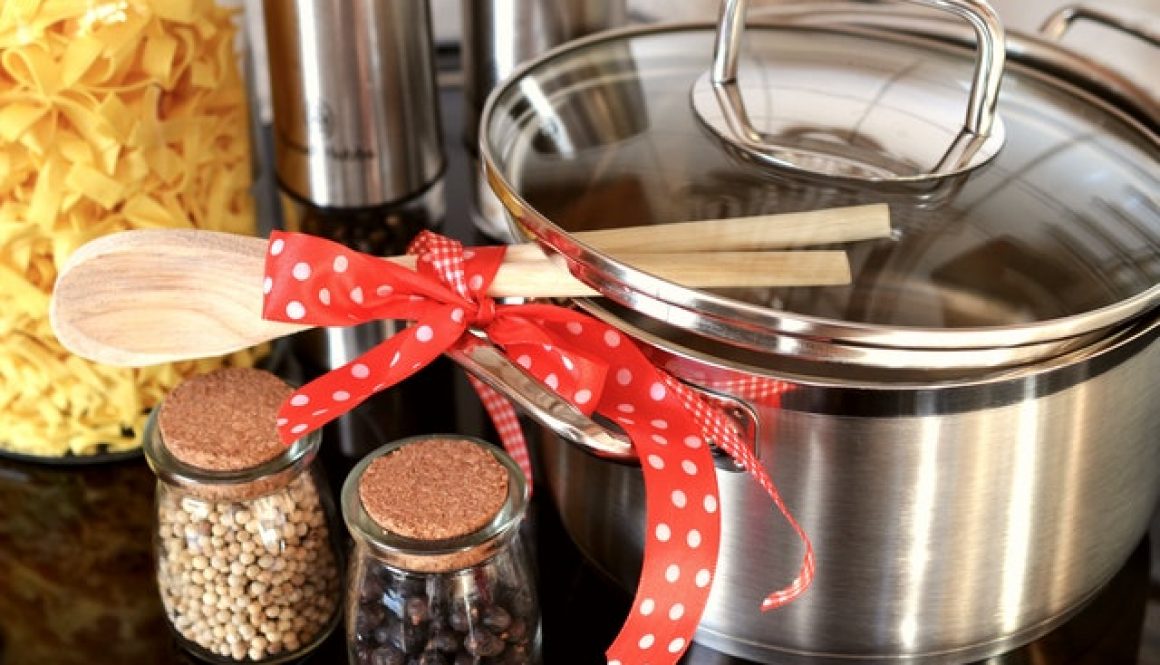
638 398
647 606
317 282
717 428
597 368
693 539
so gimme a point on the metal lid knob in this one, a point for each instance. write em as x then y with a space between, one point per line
752 115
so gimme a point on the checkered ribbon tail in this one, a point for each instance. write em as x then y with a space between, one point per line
507 425
720 431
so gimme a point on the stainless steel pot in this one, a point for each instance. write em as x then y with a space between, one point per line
970 435
952 521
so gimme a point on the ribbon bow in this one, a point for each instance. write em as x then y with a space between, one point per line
587 362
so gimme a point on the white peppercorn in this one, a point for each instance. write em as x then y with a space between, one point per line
248 603
228 495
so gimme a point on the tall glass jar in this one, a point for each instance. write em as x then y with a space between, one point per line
248 564
114 116
439 572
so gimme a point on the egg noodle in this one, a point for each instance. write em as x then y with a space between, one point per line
113 115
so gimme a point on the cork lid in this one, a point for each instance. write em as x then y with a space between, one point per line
224 420
434 489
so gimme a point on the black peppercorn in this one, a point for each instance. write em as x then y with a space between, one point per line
459 620
496 618
522 603
370 616
387 655
470 612
445 641
382 634
372 588
411 638
415 610
517 631
432 657
516 655
483 643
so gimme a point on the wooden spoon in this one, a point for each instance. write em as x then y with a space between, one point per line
145 297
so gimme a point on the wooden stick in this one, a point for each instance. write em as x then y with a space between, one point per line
545 277
763 232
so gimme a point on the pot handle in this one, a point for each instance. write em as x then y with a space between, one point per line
477 355
491 366
1060 21
979 139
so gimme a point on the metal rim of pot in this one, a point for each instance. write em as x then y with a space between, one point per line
834 341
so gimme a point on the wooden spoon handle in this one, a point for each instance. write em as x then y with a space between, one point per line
151 296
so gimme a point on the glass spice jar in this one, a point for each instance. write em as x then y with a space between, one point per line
439 572
248 564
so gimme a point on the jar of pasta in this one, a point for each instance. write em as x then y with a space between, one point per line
439 572
248 564
114 115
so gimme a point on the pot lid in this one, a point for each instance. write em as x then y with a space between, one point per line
1045 242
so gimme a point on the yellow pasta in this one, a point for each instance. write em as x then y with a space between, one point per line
114 114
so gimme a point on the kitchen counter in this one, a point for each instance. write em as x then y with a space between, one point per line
77 586
76 569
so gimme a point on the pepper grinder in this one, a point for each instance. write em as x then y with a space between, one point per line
358 154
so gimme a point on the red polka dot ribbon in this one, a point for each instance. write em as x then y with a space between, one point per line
587 362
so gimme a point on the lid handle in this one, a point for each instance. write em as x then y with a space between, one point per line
979 139
1059 21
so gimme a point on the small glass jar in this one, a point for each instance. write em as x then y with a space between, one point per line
426 590
248 565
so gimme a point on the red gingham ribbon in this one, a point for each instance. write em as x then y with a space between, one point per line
587 362
507 424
